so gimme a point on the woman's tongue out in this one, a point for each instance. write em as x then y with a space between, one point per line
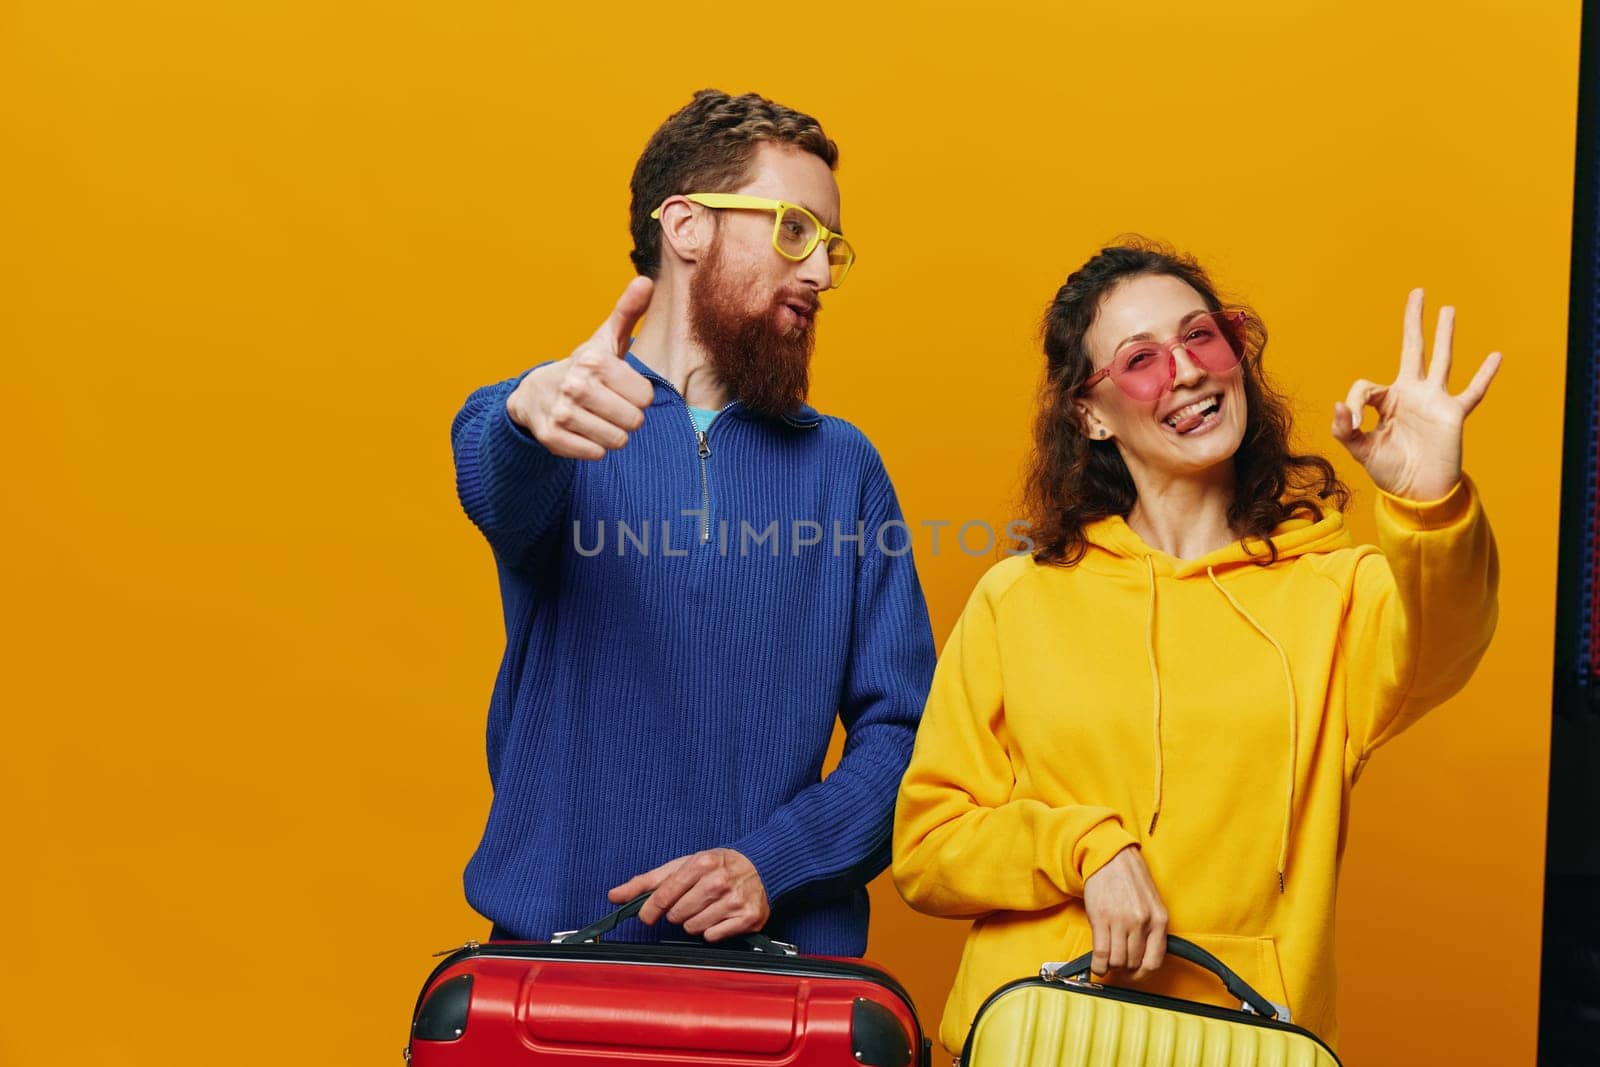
1194 414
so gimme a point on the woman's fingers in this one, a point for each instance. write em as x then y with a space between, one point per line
1347 416
1363 394
1152 948
1155 951
1411 337
1473 395
1117 958
1100 961
1443 334
1356 441
1344 427
1126 916
1136 940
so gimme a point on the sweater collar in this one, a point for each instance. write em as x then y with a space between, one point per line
804 417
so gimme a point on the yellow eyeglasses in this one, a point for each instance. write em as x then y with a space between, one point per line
795 231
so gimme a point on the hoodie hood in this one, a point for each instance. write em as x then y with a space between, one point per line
1113 546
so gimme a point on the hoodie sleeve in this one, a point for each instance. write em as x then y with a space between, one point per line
1421 613
962 845
511 487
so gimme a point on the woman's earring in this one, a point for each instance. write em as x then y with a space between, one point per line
1100 434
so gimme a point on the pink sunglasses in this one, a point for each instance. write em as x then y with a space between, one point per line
1212 339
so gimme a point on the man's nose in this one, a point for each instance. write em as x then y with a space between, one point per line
815 270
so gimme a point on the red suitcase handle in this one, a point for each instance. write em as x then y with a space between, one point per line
757 942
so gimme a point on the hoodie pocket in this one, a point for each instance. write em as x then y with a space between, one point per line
1254 959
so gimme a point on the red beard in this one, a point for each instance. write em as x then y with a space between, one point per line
762 365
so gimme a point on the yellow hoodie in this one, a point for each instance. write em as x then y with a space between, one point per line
1214 712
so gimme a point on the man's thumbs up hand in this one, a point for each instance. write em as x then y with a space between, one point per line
587 404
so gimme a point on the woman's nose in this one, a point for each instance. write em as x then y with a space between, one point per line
1185 370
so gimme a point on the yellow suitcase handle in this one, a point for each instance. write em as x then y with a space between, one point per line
1184 950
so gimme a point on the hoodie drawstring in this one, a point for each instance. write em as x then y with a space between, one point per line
1294 717
1155 688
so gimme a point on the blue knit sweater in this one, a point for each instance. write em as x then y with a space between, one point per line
670 681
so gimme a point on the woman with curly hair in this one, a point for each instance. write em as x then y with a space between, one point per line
1154 721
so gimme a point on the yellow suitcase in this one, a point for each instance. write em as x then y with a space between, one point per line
1062 1019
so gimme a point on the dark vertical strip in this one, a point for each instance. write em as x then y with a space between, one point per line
1569 1002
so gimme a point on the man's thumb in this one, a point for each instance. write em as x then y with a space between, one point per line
631 306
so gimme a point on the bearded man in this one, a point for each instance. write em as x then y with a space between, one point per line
699 574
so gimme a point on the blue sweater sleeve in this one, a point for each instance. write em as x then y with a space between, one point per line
511 486
835 835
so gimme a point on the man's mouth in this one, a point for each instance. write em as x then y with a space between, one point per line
804 310
1203 413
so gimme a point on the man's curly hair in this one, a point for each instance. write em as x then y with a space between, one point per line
706 147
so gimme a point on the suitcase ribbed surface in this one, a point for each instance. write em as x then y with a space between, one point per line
1038 1026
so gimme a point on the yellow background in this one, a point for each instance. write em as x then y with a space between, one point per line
253 256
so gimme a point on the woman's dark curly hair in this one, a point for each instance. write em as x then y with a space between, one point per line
1072 479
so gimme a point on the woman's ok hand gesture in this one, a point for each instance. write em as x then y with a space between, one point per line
1415 450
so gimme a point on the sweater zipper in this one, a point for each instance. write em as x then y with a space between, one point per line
703 450
705 488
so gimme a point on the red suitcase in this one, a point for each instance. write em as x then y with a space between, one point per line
579 1003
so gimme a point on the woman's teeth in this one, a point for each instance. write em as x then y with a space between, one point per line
1187 418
